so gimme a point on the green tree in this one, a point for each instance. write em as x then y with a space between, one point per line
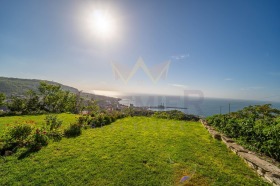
16 104
67 102
92 106
56 100
71 103
2 98
52 97
78 103
32 103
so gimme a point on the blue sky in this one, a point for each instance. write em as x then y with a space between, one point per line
226 49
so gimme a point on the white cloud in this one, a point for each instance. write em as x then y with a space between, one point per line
180 56
179 86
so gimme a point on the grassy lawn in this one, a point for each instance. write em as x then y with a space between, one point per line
131 151
34 120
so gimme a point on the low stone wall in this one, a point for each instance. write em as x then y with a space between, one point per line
266 170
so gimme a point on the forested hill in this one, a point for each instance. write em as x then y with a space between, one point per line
18 86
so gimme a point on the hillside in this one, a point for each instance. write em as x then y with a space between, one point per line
16 86
131 151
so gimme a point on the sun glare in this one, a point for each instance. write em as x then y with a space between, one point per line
103 24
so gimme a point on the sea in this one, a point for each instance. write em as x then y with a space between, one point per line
201 106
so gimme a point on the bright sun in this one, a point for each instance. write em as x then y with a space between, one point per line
103 24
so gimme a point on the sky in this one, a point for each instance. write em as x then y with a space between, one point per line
222 48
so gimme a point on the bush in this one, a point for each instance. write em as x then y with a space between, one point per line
52 127
55 135
73 130
176 115
255 127
52 123
85 121
19 133
38 140
15 137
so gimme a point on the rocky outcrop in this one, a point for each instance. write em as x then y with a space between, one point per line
266 170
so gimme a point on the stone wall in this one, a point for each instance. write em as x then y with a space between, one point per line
266 170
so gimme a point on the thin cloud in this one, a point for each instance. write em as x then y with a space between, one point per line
180 57
179 86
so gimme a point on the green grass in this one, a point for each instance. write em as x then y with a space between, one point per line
38 120
132 151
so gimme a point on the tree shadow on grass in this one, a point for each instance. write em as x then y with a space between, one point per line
27 153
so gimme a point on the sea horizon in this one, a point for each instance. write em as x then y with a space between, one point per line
202 106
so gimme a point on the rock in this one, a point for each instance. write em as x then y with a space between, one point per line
266 166
261 171
215 134
272 179
268 177
207 127
236 148
252 165
276 175
210 128
226 139
276 182
204 123
228 145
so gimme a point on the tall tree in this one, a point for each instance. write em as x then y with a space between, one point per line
56 100
71 103
92 106
32 101
52 96
2 98
17 104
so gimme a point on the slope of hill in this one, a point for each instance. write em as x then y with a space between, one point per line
131 151
16 86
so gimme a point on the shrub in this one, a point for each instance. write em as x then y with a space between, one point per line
107 120
176 115
98 120
38 140
102 119
19 133
55 135
15 137
4 145
52 123
52 127
255 127
85 121
73 130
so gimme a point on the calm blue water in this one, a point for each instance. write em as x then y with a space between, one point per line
198 106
